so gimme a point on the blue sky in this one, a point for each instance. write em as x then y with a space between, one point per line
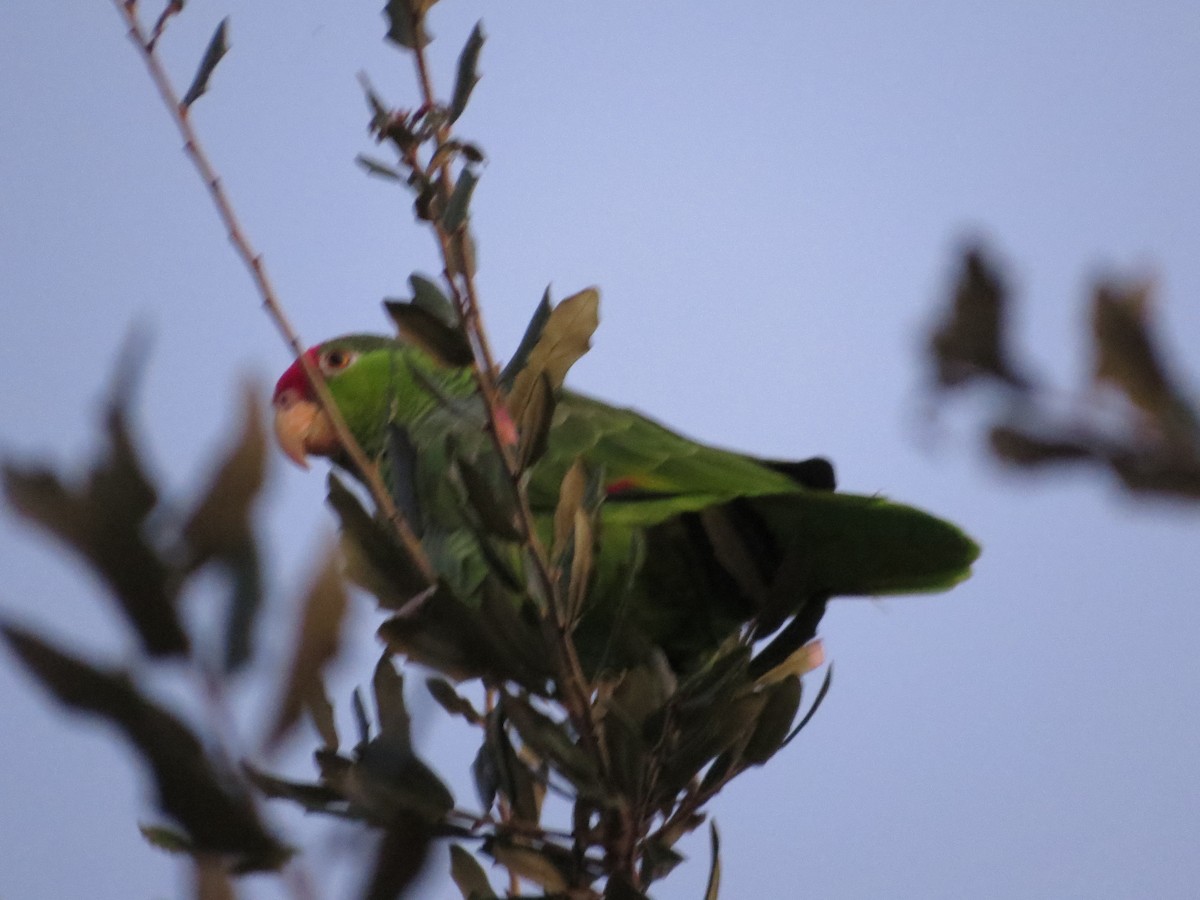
770 199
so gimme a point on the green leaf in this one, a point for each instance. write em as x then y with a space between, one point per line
439 631
218 46
388 688
373 559
658 860
103 521
377 167
455 215
714 871
774 722
423 328
406 22
497 510
550 740
799 663
451 701
467 77
403 464
214 813
316 644
219 528
534 421
429 297
564 338
529 340
529 863
570 501
468 875
514 780
167 839
812 710
312 797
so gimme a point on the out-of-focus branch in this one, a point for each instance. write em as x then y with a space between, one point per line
254 262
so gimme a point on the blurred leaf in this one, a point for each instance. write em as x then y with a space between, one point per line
360 717
528 863
402 462
619 888
458 207
460 255
451 701
377 167
219 528
812 710
486 773
401 855
1127 358
1022 448
552 742
388 687
517 644
792 638
441 632
513 779
496 509
374 561
561 341
774 722
210 879
570 500
801 662
321 711
167 839
467 78
220 522
216 816
970 341
316 644
406 22
429 297
529 340
468 875
1171 477
658 860
103 521
533 424
314 797
423 328
218 46
714 872
581 567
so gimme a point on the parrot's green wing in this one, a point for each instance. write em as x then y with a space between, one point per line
729 537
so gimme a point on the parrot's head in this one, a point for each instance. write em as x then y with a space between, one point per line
358 369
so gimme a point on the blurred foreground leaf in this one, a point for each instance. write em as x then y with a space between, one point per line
214 812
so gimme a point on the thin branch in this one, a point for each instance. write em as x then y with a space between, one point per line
577 693
254 262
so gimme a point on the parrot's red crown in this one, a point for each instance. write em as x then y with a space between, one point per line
294 378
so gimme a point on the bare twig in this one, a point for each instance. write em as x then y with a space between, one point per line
254 262
577 692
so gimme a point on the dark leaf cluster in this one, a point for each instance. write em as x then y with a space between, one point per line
1138 421
147 554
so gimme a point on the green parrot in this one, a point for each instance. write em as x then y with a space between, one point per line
693 542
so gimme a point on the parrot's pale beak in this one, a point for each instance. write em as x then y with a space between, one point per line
301 427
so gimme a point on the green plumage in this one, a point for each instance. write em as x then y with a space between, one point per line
693 540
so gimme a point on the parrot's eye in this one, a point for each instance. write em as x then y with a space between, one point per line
336 360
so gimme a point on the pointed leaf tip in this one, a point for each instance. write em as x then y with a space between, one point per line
218 46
